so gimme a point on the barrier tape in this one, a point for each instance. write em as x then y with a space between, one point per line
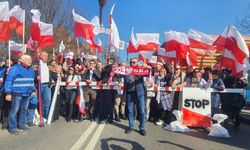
115 86
120 89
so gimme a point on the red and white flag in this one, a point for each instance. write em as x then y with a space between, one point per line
84 28
17 49
4 21
201 43
17 19
97 47
232 40
80 102
132 43
46 35
114 37
178 42
147 41
35 29
228 60
40 31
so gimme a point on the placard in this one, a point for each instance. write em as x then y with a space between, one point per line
196 107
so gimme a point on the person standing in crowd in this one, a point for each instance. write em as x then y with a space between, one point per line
90 75
149 95
44 77
19 87
217 84
177 80
134 87
120 101
164 99
99 66
4 105
107 97
207 72
196 80
71 91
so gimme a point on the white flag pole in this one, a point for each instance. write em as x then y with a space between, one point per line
24 29
9 52
78 49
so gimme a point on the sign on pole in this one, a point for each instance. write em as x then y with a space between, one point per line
196 107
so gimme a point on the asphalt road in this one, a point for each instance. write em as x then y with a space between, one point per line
90 135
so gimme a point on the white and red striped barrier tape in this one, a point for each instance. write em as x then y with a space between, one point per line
115 86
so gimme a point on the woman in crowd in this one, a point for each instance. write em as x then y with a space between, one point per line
177 80
196 80
164 99
71 91
217 84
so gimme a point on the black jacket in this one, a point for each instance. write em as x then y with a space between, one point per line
96 75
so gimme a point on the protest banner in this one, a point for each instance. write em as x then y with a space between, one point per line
196 108
131 70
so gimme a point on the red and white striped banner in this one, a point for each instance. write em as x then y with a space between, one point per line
115 86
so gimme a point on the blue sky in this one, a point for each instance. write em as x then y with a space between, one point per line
157 16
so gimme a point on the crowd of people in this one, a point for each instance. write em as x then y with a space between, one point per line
19 91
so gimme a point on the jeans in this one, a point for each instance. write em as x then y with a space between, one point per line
46 99
133 99
21 102
30 115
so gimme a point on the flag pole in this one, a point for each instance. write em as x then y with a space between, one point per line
78 49
9 52
24 29
127 55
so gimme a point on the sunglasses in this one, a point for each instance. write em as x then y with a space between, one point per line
133 62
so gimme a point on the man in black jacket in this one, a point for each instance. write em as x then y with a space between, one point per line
91 74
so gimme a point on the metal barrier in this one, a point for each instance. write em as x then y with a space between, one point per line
115 86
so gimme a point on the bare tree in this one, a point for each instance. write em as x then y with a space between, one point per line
243 23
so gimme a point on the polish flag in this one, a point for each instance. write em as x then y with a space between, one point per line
178 42
35 29
97 46
232 40
201 43
147 41
84 28
17 19
132 43
16 49
4 21
46 35
114 37
228 60
80 102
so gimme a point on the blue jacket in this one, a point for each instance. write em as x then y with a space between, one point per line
139 85
2 72
20 80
